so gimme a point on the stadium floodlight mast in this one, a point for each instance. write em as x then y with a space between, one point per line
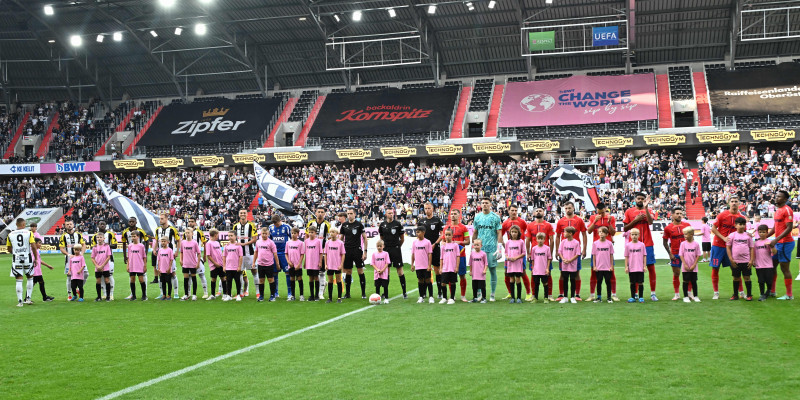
492 3
117 36
432 9
200 29
100 38
357 15
48 10
153 34
178 31
470 6
392 13
75 40
336 17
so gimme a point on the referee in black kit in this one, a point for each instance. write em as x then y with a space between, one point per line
433 232
353 233
392 234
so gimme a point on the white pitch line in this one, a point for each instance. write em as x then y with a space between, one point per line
234 353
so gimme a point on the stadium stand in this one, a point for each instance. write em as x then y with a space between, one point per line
304 105
680 83
481 95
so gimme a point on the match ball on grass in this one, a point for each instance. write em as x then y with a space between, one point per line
375 298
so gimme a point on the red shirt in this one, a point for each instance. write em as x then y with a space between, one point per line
675 235
460 233
575 222
644 228
725 226
783 216
535 228
607 221
507 224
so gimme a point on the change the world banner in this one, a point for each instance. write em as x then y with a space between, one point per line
755 91
387 112
218 121
579 100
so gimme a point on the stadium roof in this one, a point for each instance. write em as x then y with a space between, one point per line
251 45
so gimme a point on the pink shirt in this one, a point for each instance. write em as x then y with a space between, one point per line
635 253
568 249
313 253
421 250
381 260
100 254
706 231
740 246
76 266
136 258
334 251
690 251
232 254
214 253
514 248
165 257
37 263
265 250
450 252
763 254
603 255
294 252
540 259
477 263
190 251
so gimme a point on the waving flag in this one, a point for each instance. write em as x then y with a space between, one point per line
127 208
278 194
568 180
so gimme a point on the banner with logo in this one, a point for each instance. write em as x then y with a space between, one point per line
579 100
386 112
605 36
44 218
20 169
755 91
538 41
218 121
70 167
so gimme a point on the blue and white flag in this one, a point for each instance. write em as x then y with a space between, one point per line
127 208
278 194
568 180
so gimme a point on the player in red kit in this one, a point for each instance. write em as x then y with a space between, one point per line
673 237
539 225
783 242
597 221
580 227
515 220
722 227
641 217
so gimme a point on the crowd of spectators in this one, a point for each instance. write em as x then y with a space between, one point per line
8 122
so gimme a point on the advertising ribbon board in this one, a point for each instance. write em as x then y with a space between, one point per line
538 41
605 36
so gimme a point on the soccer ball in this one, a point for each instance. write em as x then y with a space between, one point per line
537 102
374 298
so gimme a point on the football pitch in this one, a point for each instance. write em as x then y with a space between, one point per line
209 349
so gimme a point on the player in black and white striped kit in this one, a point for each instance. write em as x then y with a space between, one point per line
323 228
68 239
20 246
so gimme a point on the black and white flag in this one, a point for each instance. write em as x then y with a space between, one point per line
278 194
127 208
567 180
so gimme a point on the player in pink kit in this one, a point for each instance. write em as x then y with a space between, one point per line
515 252
76 266
101 256
380 261
764 251
232 258
421 260
213 258
449 262
641 217
478 266
295 249
689 252
334 259
189 260
541 257
37 268
164 258
266 255
137 264
312 260
635 260
705 231
741 253
603 263
569 250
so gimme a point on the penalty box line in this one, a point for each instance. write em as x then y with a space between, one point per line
234 353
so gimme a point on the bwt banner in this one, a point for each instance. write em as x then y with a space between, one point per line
579 100
755 91
218 121
69 168
605 36
387 112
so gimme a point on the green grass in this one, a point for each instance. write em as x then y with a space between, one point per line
663 350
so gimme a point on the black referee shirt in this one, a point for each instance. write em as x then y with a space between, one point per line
391 233
352 234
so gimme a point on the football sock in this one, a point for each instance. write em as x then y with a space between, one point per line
613 282
294 285
287 286
133 289
474 289
403 283
439 284
339 289
775 279
205 283
29 288
519 290
576 283
144 287
186 286
735 289
676 283
507 281
261 287
452 291
549 291
256 279
194 285
330 291
97 286
749 287
347 280
651 273
273 288
788 283
111 283
386 289
592 283
685 289
633 290
493 272
561 287
430 289
463 284
19 290
362 279
525 281
715 279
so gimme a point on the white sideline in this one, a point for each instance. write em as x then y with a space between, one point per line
226 356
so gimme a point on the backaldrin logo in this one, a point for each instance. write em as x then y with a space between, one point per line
384 113
208 125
